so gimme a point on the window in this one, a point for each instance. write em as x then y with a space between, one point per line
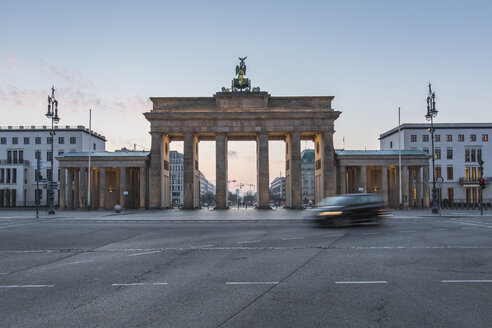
94 146
438 171
61 152
37 154
391 144
449 137
479 154
437 137
450 173
9 157
426 150
73 140
413 138
37 140
8 176
467 155
438 153
61 140
49 140
3 141
451 195
21 156
449 153
473 137
473 155
425 138
14 175
15 140
485 137
2 175
48 174
14 155
26 140
461 137
49 156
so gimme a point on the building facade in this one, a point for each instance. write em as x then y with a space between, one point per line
457 147
307 169
277 189
20 146
176 160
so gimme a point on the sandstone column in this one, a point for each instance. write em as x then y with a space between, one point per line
63 189
418 179
70 188
363 177
76 191
425 187
262 172
122 186
221 170
155 188
143 185
83 188
405 188
343 180
293 182
191 179
384 183
324 166
102 188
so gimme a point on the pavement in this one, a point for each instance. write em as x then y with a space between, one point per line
243 268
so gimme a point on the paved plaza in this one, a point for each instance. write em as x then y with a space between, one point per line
243 268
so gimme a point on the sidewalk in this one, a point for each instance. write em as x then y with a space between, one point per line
232 214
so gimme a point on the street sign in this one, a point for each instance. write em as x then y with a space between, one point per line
440 180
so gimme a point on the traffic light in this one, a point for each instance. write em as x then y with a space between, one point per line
482 183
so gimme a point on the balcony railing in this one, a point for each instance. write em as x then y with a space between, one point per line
465 181
23 162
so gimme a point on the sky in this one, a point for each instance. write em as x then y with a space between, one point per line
372 56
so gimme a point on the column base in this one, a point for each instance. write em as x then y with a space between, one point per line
263 208
221 208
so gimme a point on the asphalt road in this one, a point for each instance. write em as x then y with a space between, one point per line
241 268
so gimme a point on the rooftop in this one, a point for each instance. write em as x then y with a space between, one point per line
418 126
129 153
47 128
379 152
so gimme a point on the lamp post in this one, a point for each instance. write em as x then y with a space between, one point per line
431 113
53 115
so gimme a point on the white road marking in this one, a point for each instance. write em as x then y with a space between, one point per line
333 235
466 228
458 281
201 246
361 282
404 231
292 238
141 284
4 273
252 283
14 225
439 229
371 233
248 241
152 252
27 286
78 262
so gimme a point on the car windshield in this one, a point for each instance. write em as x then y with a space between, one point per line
336 201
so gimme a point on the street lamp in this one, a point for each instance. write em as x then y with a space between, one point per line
431 113
53 115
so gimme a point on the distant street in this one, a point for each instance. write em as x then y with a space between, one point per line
243 268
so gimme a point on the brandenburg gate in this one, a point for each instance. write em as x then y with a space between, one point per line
241 113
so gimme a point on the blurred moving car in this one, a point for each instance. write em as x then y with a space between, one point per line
347 209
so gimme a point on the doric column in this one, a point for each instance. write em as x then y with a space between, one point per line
191 179
418 179
221 170
384 183
122 186
425 187
83 188
404 185
343 180
70 188
76 188
155 188
363 177
293 178
102 188
262 171
324 165
143 185
63 188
